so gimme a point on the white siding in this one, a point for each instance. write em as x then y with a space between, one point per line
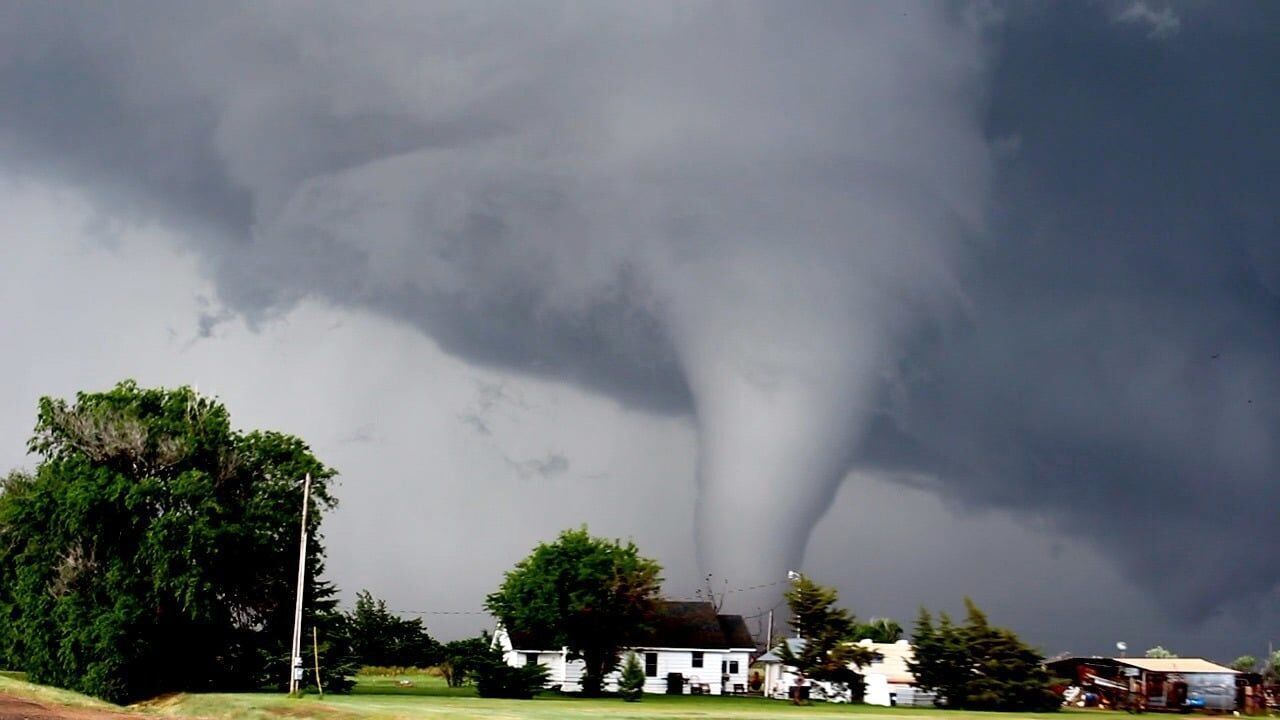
568 674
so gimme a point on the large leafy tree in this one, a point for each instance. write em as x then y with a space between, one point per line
828 653
977 666
588 594
380 637
154 549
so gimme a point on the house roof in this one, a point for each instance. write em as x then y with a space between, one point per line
1176 665
736 634
675 624
773 656
1071 665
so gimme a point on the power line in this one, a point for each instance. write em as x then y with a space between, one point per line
441 612
696 598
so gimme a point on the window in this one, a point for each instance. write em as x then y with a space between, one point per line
733 667
651 664
724 667
531 658
697 659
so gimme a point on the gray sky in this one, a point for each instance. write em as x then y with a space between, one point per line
927 299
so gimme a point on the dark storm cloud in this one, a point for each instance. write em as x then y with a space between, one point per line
1118 372
496 179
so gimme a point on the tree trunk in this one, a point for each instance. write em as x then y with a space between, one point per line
593 674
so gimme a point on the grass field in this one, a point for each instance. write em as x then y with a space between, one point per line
425 697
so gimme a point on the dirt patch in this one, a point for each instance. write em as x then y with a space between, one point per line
15 708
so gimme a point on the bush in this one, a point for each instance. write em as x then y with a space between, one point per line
496 679
460 657
631 684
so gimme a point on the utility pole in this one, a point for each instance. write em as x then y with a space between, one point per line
768 639
295 655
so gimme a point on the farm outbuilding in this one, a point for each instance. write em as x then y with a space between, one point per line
1156 683
690 648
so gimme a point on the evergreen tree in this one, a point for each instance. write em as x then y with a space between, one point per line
1006 674
829 653
496 679
941 661
631 683
979 667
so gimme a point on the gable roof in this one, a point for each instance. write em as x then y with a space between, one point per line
675 624
1070 666
736 634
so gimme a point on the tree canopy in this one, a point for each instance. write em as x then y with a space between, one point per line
1244 663
881 630
588 594
1271 667
976 666
154 548
829 653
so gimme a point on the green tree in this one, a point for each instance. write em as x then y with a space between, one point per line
154 549
829 653
1244 663
380 637
587 594
941 661
460 658
881 630
1271 669
1006 674
631 682
1159 652
496 679
976 666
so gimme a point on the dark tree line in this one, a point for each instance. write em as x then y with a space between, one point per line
381 638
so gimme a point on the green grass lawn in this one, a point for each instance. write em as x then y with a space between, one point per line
426 697
547 707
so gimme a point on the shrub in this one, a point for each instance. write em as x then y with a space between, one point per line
496 679
631 684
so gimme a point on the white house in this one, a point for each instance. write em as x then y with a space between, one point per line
690 648
888 679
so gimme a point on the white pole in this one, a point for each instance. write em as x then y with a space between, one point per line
295 658
768 640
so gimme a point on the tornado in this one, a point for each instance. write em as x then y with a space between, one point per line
782 359
736 210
